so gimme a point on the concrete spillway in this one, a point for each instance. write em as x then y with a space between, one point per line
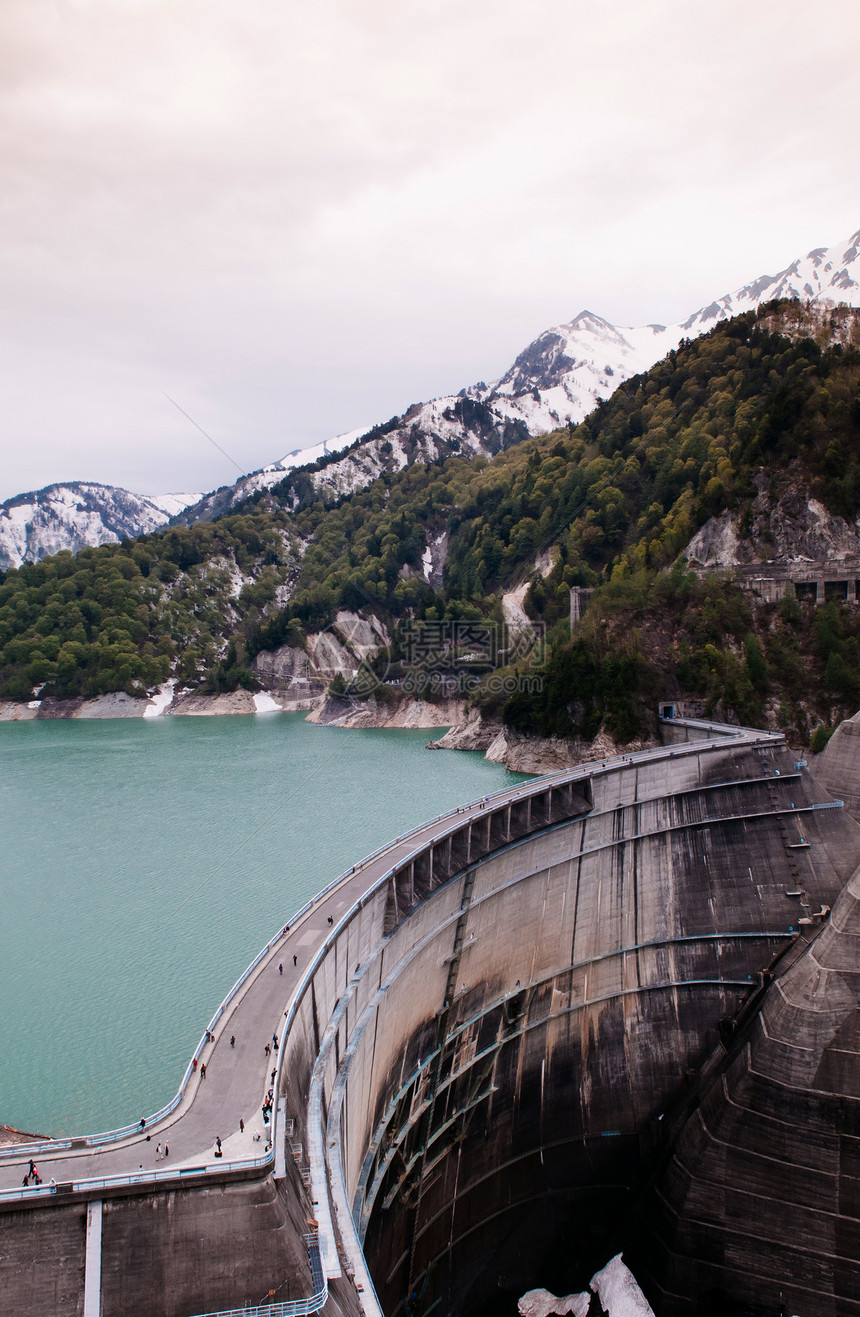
608 1009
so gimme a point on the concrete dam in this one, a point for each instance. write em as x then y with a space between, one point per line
613 1008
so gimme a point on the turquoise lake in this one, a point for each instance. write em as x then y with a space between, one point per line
143 864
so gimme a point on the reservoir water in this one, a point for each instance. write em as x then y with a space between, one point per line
143 864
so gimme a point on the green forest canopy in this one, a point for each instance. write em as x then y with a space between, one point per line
617 497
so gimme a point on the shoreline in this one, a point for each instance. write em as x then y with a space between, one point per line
465 729
9 1136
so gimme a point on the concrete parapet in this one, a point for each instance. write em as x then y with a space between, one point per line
509 1015
479 1058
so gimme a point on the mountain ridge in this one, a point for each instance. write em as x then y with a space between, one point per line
556 380
581 363
77 514
743 432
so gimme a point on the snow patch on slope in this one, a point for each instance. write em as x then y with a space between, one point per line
78 514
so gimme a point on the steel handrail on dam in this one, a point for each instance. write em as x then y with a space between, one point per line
431 833
579 773
721 734
72 1142
289 1307
64 1189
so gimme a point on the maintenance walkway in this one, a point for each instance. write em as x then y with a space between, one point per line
238 1074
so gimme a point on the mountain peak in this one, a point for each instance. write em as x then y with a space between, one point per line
76 514
556 380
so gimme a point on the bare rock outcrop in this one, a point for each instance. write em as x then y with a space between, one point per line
797 530
192 705
279 668
551 754
341 711
9 1135
476 733
115 705
529 754
12 712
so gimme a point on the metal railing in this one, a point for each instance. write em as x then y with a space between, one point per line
108 1182
580 772
289 1307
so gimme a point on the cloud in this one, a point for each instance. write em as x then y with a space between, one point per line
297 219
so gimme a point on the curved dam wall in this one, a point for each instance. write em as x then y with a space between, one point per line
763 1178
608 1009
481 1061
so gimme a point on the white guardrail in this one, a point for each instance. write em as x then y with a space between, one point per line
306 1307
537 785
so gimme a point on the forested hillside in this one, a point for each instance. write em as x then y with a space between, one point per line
729 421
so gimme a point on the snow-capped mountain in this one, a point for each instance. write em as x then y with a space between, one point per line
221 500
567 370
78 514
559 378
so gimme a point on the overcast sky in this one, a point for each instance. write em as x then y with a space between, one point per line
295 219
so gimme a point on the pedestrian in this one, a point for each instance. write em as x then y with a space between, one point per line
166 1151
32 1167
232 1040
158 1152
140 1167
143 1124
203 1071
295 960
194 1063
275 1039
276 1045
218 1152
37 1179
241 1127
26 1182
268 1049
274 1072
330 919
281 968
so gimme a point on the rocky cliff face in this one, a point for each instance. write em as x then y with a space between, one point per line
797 529
405 712
528 754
